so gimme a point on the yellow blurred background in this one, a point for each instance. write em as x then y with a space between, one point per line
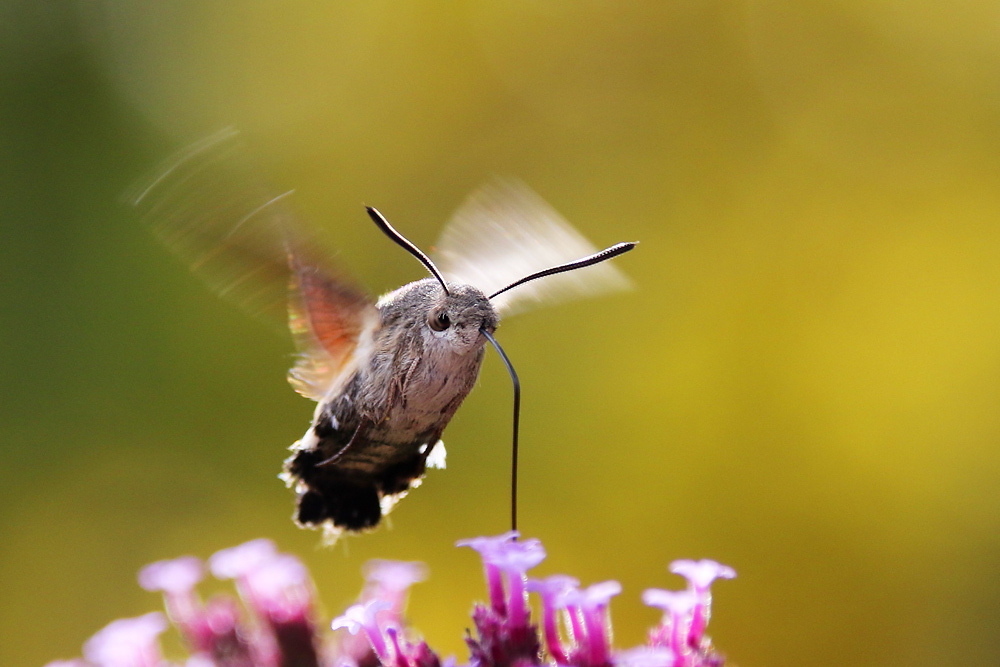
805 384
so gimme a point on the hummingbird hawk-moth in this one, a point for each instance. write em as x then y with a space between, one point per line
387 374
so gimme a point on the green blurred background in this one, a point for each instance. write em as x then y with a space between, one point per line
804 385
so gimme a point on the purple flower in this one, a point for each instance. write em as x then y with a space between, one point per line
178 576
390 580
671 602
280 592
586 616
506 635
128 642
394 575
645 656
276 625
505 558
678 612
554 591
227 642
177 580
237 561
280 589
588 612
700 574
686 613
411 654
390 647
486 546
361 617
199 661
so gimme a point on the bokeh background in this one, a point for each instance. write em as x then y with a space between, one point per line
804 383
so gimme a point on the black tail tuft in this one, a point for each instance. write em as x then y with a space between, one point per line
348 506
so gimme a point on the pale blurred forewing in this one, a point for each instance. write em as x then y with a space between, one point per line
505 231
244 240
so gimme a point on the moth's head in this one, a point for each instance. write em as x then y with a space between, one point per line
451 320
458 316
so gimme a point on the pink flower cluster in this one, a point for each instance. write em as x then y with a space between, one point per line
576 623
276 624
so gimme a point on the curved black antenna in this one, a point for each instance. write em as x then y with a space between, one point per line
388 230
596 258
517 417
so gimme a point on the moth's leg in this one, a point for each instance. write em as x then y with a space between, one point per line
358 432
406 381
397 389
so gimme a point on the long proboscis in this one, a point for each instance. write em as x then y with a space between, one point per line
517 419
596 258
590 260
409 247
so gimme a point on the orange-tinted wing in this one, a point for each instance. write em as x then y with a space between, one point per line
331 323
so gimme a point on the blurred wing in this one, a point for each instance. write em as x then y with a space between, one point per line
503 232
245 241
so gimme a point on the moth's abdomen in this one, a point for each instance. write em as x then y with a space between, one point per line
346 484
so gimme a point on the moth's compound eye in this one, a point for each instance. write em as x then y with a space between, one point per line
438 321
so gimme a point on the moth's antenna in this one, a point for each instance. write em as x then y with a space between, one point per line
517 417
389 231
596 258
